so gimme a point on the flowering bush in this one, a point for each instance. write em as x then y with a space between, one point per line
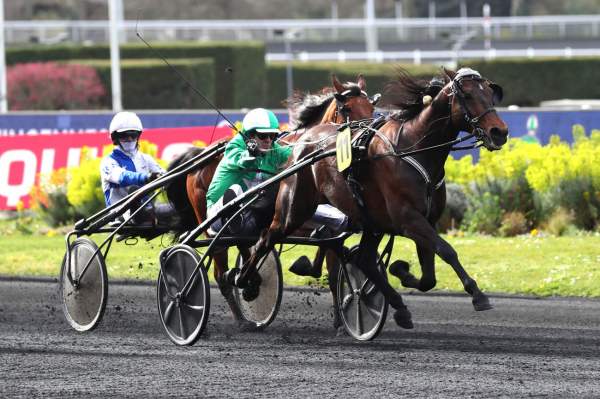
53 86
533 180
84 189
49 198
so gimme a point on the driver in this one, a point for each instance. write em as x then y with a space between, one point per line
127 168
250 158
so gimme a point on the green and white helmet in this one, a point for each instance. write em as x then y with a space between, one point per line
260 120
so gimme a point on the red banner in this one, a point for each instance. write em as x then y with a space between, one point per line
23 157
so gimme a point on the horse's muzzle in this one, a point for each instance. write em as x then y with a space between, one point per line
497 138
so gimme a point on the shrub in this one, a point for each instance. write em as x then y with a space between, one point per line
456 206
513 223
535 180
84 189
49 198
52 86
484 213
560 222
152 84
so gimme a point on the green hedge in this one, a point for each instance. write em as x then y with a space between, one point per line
151 84
311 77
528 82
250 83
242 87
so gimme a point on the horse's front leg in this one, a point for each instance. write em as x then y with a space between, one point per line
425 236
427 281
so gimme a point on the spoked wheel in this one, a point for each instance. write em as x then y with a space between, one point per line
263 310
83 285
183 314
363 309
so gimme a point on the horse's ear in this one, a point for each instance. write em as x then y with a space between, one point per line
498 92
336 83
448 74
362 83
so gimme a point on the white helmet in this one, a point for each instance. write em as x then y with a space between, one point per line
124 122
260 120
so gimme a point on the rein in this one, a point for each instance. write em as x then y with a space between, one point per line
420 150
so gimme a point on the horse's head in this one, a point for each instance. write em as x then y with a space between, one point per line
472 106
351 101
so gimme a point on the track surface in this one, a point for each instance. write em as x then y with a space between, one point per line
523 347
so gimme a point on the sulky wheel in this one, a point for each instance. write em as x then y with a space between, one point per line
83 285
362 308
182 314
263 310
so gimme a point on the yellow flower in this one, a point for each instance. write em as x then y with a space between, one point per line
20 206
534 232
51 233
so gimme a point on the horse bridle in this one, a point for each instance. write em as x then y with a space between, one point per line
341 108
458 92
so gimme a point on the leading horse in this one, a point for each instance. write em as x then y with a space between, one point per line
396 191
333 106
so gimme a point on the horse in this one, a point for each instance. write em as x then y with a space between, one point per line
395 191
345 102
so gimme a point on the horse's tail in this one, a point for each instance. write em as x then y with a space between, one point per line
177 193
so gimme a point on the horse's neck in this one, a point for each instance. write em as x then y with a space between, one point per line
430 128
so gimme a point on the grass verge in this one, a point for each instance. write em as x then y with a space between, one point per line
544 266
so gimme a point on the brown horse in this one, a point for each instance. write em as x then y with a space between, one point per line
345 102
396 191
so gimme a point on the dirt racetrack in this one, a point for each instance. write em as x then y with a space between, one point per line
523 347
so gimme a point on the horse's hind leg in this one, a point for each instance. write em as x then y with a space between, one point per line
333 265
367 263
420 231
221 266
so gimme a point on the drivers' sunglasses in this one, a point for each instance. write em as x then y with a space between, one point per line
130 134
262 136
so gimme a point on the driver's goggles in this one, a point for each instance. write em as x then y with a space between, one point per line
130 134
262 136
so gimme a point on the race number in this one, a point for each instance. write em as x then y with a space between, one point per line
343 149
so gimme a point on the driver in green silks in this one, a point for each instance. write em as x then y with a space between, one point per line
250 158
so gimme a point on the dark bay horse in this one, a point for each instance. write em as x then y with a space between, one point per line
396 191
344 102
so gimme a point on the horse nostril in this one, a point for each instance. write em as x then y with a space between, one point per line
498 135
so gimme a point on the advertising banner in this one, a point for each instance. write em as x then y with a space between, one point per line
33 143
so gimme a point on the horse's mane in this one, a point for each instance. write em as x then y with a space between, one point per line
406 94
307 109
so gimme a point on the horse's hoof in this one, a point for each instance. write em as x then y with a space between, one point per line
403 318
250 293
302 267
399 268
340 332
481 303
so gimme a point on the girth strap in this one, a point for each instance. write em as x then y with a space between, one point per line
430 187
